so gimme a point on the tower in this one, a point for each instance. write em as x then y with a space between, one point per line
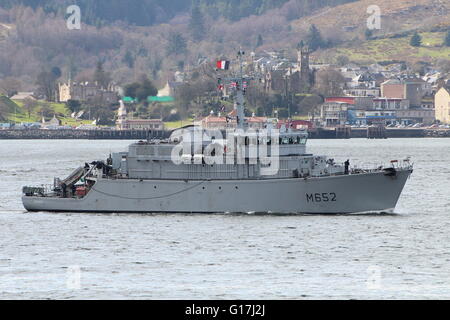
122 116
303 60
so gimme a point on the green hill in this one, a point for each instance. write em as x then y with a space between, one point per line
14 111
7 107
395 49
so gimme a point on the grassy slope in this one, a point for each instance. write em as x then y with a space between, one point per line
398 49
397 16
18 114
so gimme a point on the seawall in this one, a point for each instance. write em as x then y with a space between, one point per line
83 134
318 133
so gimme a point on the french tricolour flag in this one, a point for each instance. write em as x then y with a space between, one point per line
223 65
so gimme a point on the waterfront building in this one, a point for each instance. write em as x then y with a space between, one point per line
390 104
54 122
412 89
442 105
124 123
333 113
229 121
359 102
417 115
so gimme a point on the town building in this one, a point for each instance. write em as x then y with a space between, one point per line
336 111
295 124
333 113
279 74
219 122
419 115
358 102
87 92
412 89
20 96
365 117
124 123
362 92
53 122
390 104
442 105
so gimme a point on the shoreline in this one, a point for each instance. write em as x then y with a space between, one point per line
318 133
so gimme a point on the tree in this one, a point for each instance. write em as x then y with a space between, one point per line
176 44
444 66
103 115
142 89
308 104
56 71
73 105
146 89
329 82
128 59
130 89
447 39
283 113
29 105
314 38
259 41
46 82
102 77
342 60
45 110
416 40
197 24
260 112
10 86
419 67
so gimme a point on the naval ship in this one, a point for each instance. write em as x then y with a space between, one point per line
201 171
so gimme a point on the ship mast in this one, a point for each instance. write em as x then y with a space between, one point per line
240 101
239 82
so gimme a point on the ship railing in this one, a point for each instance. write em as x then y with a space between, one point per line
377 167
43 190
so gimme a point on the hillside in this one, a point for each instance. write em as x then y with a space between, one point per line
6 107
14 111
399 19
148 12
397 16
398 49
35 38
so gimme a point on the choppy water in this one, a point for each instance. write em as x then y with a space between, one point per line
403 255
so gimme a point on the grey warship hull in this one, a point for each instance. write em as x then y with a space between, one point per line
364 192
